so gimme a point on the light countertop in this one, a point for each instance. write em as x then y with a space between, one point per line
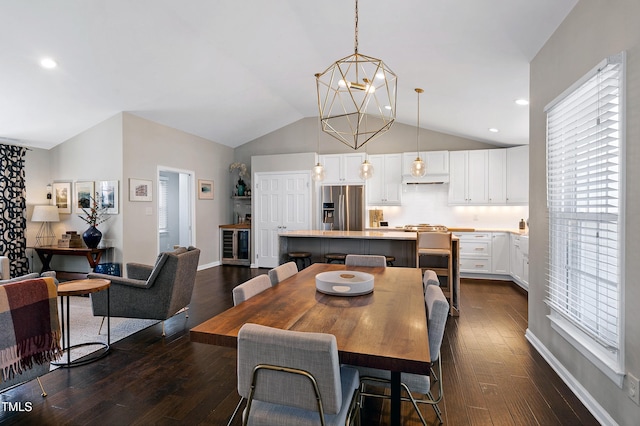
374 235
457 230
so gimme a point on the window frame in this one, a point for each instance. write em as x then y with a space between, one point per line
609 360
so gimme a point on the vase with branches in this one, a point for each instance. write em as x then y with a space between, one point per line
242 172
93 215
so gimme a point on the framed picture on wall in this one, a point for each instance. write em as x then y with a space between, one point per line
84 192
205 189
62 196
108 195
140 190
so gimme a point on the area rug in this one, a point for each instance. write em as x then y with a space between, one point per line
84 327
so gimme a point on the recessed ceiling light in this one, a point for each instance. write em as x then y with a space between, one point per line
48 63
493 130
522 102
387 107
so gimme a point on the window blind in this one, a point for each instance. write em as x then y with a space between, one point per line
162 204
584 138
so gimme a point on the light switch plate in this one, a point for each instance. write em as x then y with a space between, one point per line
634 389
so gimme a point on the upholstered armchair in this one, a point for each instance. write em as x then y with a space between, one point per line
5 274
151 292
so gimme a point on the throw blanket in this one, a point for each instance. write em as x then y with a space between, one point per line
29 325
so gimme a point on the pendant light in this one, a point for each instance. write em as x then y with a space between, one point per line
418 167
317 171
366 169
353 89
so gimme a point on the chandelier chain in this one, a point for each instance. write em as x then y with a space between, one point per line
356 30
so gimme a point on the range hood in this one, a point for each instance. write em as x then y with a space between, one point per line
428 179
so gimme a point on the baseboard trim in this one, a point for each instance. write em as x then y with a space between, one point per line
208 265
579 391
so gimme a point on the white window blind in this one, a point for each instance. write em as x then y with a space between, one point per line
162 204
584 142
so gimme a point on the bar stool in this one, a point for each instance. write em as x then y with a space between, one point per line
302 256
390 260
335 257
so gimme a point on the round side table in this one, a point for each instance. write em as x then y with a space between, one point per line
81 288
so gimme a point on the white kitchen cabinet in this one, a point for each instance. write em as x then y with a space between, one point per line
342 169
437 162
384 187
497 176
520 260
517 175
500 245
468 178
475 252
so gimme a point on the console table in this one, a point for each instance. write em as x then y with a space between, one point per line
45 254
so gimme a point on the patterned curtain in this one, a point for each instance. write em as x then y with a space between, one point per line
13 222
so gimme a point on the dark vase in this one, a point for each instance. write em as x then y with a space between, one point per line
92 237
240 187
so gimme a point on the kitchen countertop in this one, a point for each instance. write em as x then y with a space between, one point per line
454 229
377 235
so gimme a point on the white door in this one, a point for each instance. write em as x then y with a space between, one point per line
283 203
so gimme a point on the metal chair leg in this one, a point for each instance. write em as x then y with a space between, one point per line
43 394
233 416
101 324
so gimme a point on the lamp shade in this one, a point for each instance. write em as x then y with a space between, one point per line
45 214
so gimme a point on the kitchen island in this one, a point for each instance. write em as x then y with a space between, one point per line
401 245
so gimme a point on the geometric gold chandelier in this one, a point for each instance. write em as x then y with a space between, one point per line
357 97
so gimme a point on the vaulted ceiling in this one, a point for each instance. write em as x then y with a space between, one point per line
231 71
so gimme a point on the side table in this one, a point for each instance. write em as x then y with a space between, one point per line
81 288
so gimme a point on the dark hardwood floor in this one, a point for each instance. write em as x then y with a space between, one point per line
492 376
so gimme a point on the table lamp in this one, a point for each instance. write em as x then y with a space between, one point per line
46 215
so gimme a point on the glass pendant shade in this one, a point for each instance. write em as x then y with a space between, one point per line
418 168
366 170
317 173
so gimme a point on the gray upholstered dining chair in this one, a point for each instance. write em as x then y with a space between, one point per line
151 292
294 378
282 272
430 278
365 260
250 288
438 312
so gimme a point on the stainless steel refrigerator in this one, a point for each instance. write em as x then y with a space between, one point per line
343 207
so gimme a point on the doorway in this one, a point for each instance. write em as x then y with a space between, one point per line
176 208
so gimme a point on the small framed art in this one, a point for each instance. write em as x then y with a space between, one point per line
62 196
84 193
140 190
109 195
205 189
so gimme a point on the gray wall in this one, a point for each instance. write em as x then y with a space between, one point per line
591 32
122 147
147 145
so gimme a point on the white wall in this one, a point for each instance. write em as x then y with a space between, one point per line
429 204
592 31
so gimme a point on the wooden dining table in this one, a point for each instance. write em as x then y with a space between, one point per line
385 329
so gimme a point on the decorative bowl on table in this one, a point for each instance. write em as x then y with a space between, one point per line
344 283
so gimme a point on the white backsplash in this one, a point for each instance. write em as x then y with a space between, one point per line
429 204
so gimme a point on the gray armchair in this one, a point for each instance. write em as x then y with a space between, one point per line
151 292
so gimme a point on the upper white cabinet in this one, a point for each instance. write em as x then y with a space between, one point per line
342 168
518 175
384 187
437 162
468 181
497 176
